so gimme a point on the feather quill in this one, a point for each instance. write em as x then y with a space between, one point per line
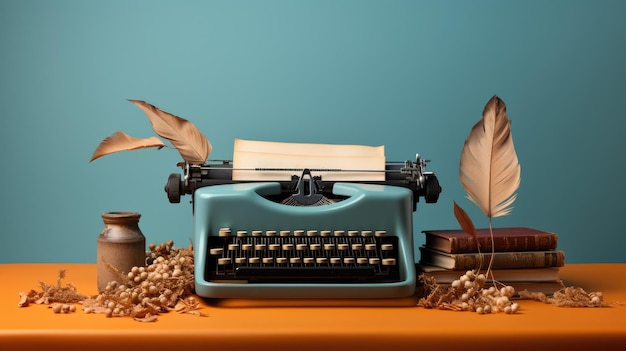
489 169
192 145
120 141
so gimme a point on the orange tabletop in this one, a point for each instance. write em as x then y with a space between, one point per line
536 325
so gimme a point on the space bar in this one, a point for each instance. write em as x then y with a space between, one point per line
305 273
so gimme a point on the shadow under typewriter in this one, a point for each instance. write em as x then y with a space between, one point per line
255 248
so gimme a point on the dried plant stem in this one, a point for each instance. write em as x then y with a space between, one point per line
121 277
53 293
568 297
493 254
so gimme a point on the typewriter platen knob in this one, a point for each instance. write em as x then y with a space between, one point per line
432 189
173 188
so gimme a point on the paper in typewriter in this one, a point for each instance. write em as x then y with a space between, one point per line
347 162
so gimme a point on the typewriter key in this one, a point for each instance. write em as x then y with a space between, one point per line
216 251
389 261
294 260
224 232
386 247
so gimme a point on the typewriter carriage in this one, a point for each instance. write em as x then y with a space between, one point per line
408 174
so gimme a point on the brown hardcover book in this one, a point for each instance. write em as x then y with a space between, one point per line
504 239
472 260
442 275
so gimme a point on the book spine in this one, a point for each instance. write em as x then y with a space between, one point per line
503 260
538 242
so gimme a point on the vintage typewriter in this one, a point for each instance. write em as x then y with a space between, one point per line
305 237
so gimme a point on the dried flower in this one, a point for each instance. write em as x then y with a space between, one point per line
569 297
166 283
468 293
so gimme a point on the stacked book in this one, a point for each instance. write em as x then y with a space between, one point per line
525 258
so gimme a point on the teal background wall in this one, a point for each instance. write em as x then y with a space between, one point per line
411 75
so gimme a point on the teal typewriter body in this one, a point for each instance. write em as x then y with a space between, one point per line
250 247
305 238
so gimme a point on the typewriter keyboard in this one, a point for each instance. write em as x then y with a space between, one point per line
302 256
